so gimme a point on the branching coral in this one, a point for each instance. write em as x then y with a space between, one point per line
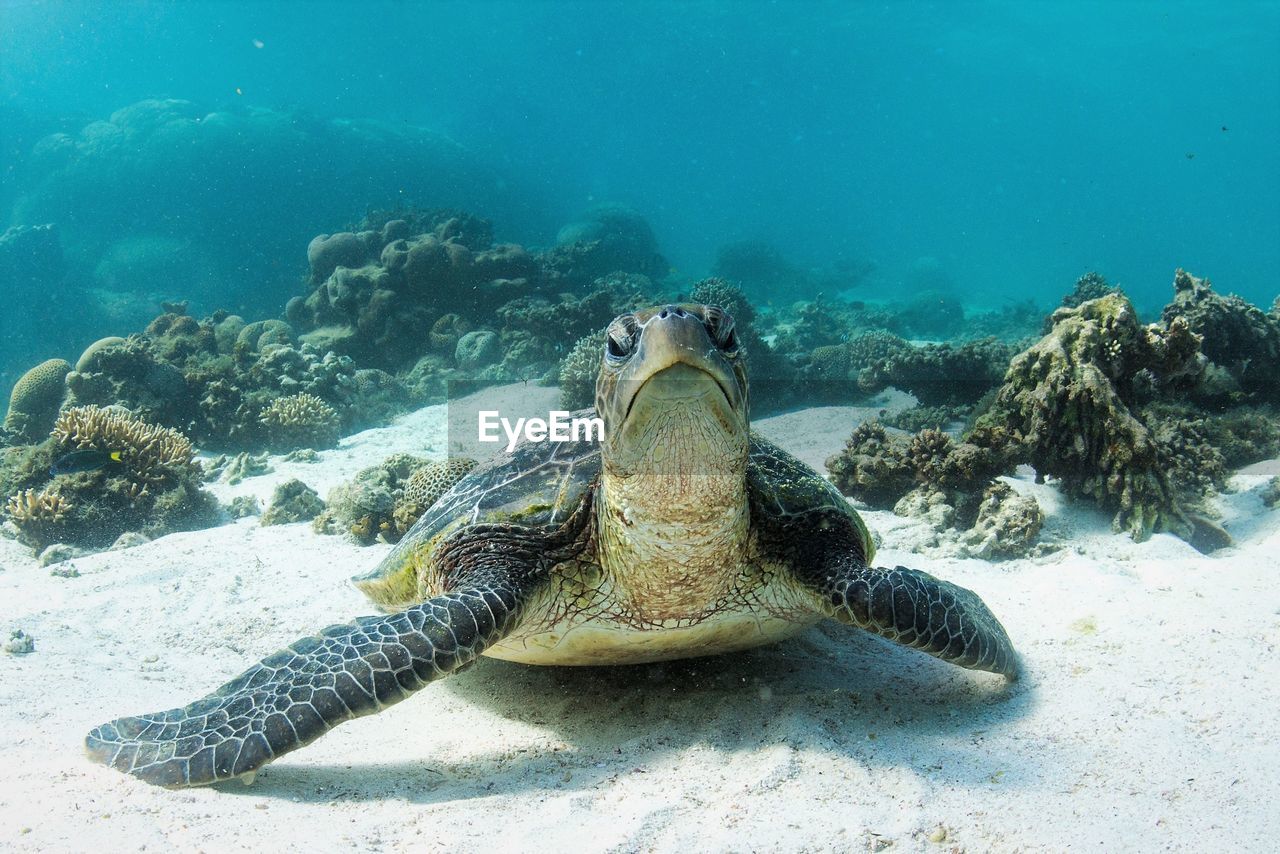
39 516
300 421
147 452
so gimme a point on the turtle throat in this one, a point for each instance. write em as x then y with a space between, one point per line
673 516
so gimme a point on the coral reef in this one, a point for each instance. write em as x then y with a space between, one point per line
1007 525
300 421
147 453
234 469
932 314
608 239
763 270
949 484
147 482
39 517
292 501
938 374
364 507
578 372
1066 405
873 467
424 488
34 401
775 380
216 379
718 291
173 197
1238 338
920 417
1090 286
1015 321
382 306
1271 492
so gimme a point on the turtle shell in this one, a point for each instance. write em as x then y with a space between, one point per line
537 485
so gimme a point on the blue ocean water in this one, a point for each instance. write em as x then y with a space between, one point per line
1011 146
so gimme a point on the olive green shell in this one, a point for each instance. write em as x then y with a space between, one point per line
539 485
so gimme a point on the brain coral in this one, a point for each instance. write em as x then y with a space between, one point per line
34 402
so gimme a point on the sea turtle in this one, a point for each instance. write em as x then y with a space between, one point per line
678 534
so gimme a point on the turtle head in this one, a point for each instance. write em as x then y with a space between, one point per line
672 393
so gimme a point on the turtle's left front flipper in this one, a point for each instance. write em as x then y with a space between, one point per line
916 609
300 693
904 605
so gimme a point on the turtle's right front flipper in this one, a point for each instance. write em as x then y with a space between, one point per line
297 695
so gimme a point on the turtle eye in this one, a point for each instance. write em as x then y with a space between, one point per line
720 326
620 339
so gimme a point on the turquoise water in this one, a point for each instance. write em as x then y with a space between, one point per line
997 149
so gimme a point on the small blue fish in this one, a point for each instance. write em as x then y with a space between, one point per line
85 459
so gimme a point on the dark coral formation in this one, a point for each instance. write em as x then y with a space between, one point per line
223 381
606 240
1240 340
950 484
1067 405
151 484
1108 406
173 197
938 374
1090 286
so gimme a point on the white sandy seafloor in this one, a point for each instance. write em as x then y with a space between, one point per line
1146 719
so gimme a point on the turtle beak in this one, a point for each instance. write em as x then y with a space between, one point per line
675 358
